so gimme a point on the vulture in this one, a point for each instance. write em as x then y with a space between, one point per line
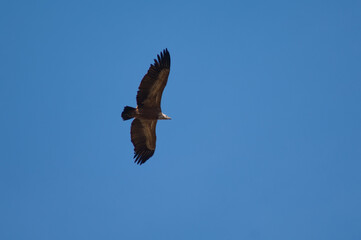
148 110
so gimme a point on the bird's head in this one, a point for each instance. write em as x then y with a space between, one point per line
164 117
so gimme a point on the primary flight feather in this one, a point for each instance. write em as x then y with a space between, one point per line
148 110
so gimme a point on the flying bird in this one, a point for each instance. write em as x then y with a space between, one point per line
148 110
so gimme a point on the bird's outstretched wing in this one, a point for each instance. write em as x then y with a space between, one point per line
153 83
143 138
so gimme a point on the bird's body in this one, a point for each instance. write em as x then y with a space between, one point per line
148 110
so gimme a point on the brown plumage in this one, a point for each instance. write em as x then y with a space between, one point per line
148 111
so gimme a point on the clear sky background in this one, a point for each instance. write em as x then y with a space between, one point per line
265 136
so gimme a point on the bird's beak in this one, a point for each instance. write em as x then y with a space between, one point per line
165 117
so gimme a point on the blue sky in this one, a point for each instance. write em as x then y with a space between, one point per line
265 136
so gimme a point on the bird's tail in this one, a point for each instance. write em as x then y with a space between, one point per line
128 113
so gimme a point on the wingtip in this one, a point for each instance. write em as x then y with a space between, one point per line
165 52
142 156
162 60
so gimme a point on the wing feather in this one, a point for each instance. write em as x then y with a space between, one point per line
143 138
153 83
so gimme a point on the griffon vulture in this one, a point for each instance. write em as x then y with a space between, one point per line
148 111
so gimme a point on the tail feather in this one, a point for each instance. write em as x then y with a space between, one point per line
128 113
